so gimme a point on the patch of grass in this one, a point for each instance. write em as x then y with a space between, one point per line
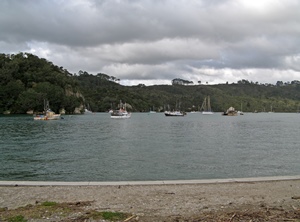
113 216
49 210
106 215
43 210
18 218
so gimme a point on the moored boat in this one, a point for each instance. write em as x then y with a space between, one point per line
174 113
240 112
120 113
87 110
206 106
48 114
152 110
230 112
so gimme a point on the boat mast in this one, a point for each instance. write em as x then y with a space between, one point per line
203 107
208 104
46 105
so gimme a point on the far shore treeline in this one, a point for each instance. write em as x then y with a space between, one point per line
27 80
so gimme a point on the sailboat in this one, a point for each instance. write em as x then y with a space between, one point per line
87 110
271 111
241 111
175 113
111 109
206 106
152 111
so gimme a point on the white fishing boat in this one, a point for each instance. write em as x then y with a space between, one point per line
174 113
48 114
206 106
120 113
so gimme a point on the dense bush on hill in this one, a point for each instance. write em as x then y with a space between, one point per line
26 81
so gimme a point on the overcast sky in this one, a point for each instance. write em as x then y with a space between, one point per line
155 41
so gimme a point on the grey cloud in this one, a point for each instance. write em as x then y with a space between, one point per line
156 39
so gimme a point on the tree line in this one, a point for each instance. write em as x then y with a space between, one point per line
27 80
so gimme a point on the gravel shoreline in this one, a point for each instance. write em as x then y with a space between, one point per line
163 201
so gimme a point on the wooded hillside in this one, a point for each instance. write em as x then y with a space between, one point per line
26 80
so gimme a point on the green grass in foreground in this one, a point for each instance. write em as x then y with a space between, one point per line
18 218
48 210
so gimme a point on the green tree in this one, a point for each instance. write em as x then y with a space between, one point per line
53 93
30 100
70 103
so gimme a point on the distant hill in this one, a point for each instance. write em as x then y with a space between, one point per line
26 80
103 94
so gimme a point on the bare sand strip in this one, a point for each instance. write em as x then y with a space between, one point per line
160 182
156 198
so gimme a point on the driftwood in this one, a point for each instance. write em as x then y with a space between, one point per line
232 217
129 218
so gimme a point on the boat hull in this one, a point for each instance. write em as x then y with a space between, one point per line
127 116
86 111
120 114
43 117
207 113
175 114
230 112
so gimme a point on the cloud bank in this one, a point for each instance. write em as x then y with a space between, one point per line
155 41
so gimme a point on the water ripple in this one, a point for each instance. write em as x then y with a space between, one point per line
149 147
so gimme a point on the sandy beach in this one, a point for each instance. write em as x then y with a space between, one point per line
166 202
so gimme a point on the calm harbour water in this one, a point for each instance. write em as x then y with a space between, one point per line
149 147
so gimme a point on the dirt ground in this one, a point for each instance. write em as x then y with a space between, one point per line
234 201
